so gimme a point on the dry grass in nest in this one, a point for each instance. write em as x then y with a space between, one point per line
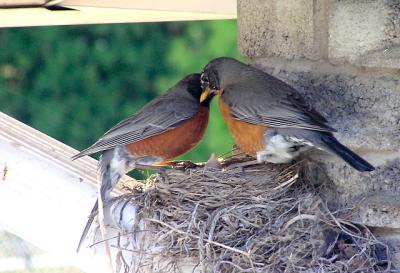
262 219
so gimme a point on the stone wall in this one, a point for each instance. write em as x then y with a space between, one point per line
344 56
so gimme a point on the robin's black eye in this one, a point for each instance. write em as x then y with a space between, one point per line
204 78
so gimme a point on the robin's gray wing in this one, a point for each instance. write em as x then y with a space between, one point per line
160 115
272 103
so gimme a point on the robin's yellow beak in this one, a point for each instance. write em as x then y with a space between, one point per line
205 94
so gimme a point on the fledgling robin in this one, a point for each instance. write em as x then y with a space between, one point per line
267 117
168 126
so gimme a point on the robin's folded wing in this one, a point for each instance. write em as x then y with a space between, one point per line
160 115
284 109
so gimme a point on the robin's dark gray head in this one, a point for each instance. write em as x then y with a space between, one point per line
192 84
219 73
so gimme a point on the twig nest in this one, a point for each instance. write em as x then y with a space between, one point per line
264 218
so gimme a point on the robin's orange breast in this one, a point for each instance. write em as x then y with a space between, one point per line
174 142
249 137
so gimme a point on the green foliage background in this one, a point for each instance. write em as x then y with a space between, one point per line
73 83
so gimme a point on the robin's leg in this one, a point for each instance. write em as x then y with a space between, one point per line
149 162
154 163
181 164
185 164
149 167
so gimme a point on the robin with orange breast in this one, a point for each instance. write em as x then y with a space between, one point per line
268 118
165 128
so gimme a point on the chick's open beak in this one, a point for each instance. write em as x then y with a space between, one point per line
205 94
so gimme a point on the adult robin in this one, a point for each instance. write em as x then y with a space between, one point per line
168 126
268 118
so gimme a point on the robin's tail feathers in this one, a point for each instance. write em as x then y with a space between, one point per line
331 144
87 151
88 225
108 179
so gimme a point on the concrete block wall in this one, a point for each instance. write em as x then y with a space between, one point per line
363 32
344 56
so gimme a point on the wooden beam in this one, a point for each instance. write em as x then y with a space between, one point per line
118 11
227 7
21 3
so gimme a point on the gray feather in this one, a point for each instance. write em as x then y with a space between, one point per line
105 189
259 98
162 114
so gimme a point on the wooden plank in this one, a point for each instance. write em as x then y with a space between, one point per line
86 14
20 3
205 6
32 141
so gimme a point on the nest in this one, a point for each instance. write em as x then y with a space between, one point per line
263 218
